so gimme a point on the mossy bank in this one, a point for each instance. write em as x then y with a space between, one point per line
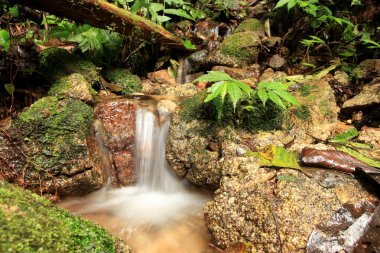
30 223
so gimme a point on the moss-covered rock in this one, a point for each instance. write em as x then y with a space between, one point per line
128 82
239 49
30 223
250 25
73 86
57 62
368 69
54 137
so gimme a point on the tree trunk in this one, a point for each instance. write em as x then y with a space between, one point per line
102 14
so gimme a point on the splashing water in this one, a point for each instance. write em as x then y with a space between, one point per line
159 206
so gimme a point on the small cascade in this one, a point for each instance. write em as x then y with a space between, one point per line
153 172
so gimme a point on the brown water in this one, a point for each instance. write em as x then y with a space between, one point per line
160 214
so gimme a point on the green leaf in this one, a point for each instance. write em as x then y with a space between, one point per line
13 11
235 93
178 12
213 76
281 3
156 7
344 137
272 86
277 157
324 72
360 145
263 95
188 44
138 4
216 89
359 156
10 88
163 19
244 87
276 99
287 96
5 40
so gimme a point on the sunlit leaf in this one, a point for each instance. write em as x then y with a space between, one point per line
276 156
234 92
359 156
216 91
276 99
178 12
5 40
10 88
213 76
346 136
287 96
263 95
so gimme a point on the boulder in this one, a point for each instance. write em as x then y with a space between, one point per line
115 127
238 50
162 77
276 62
368 69
51 141
275 210
317 117
73 86
127 82
367 99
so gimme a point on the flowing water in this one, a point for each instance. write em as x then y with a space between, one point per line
160 214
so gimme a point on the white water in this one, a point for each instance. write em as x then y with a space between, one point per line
159 197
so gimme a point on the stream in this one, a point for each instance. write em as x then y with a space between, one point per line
160 213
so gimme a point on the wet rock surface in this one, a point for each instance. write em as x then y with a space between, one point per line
367 99
116 128
276 211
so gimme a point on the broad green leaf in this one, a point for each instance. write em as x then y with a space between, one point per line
277 157
223 91
156 7
272 85
214 87
235 93
138 4
281 3
179 2
287 96
163 19
244 87
215 92
178 12
263 95
359 156
5 41
344 137
276 99
10 88
291 4
13 11
213 76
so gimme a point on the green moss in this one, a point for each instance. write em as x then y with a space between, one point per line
243 46
305 90
303 112
56 63
194 108
325 109
259 117
57 130
251 24
30 223
124 78
74 86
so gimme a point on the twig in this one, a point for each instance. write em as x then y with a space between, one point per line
216 248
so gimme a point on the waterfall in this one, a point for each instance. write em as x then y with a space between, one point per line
153 172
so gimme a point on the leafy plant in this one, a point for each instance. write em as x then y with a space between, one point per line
277 93
5 40
96 44
224 85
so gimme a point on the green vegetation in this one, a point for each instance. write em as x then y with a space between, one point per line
58 130
129 83
29 223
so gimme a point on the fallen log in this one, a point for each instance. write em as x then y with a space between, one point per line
102 14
